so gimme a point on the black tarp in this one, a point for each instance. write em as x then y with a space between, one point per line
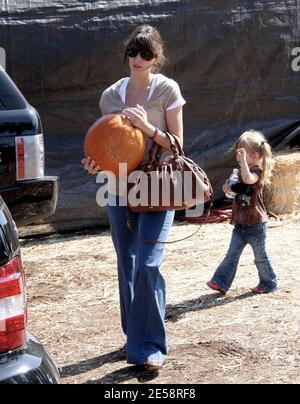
233 60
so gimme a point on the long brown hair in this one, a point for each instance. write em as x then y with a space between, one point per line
255 141
148 38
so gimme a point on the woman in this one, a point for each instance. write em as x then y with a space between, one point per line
153 103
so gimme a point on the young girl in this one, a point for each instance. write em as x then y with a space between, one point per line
250 217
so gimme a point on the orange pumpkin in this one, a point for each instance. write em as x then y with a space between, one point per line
113 140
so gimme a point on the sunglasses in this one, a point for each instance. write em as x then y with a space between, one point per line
145 54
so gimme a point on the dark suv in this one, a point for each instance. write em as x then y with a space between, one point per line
23 359
29 195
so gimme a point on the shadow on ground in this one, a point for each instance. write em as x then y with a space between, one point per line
174 313
205 302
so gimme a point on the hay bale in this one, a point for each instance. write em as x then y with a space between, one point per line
283 195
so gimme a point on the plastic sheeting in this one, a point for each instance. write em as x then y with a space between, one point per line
234 61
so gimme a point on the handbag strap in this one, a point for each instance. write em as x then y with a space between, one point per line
134 231
175 145
175 148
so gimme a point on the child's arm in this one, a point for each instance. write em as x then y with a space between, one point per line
248 177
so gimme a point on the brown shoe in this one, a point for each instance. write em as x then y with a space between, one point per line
153 366
122 355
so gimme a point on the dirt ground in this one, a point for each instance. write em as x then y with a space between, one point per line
240 338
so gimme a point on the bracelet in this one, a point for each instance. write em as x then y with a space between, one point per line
155 134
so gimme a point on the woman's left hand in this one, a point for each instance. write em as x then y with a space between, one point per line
138 117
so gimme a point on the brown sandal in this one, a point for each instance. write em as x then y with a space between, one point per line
122 354
153 366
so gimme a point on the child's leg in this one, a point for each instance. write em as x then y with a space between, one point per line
257 240
226 272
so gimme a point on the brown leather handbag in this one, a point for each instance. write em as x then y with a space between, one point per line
175 183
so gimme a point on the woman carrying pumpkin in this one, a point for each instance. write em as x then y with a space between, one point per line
153 103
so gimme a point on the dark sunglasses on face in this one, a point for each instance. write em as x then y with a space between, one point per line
145 54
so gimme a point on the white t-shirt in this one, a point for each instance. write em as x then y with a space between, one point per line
164 95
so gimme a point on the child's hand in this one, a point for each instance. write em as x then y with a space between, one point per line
227 188
241 155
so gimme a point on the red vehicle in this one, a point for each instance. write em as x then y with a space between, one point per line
23 359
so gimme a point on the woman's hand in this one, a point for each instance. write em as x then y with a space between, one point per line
139 118
91 166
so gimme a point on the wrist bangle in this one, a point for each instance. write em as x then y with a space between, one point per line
155 134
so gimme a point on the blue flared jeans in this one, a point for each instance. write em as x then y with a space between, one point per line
141 284
243 235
